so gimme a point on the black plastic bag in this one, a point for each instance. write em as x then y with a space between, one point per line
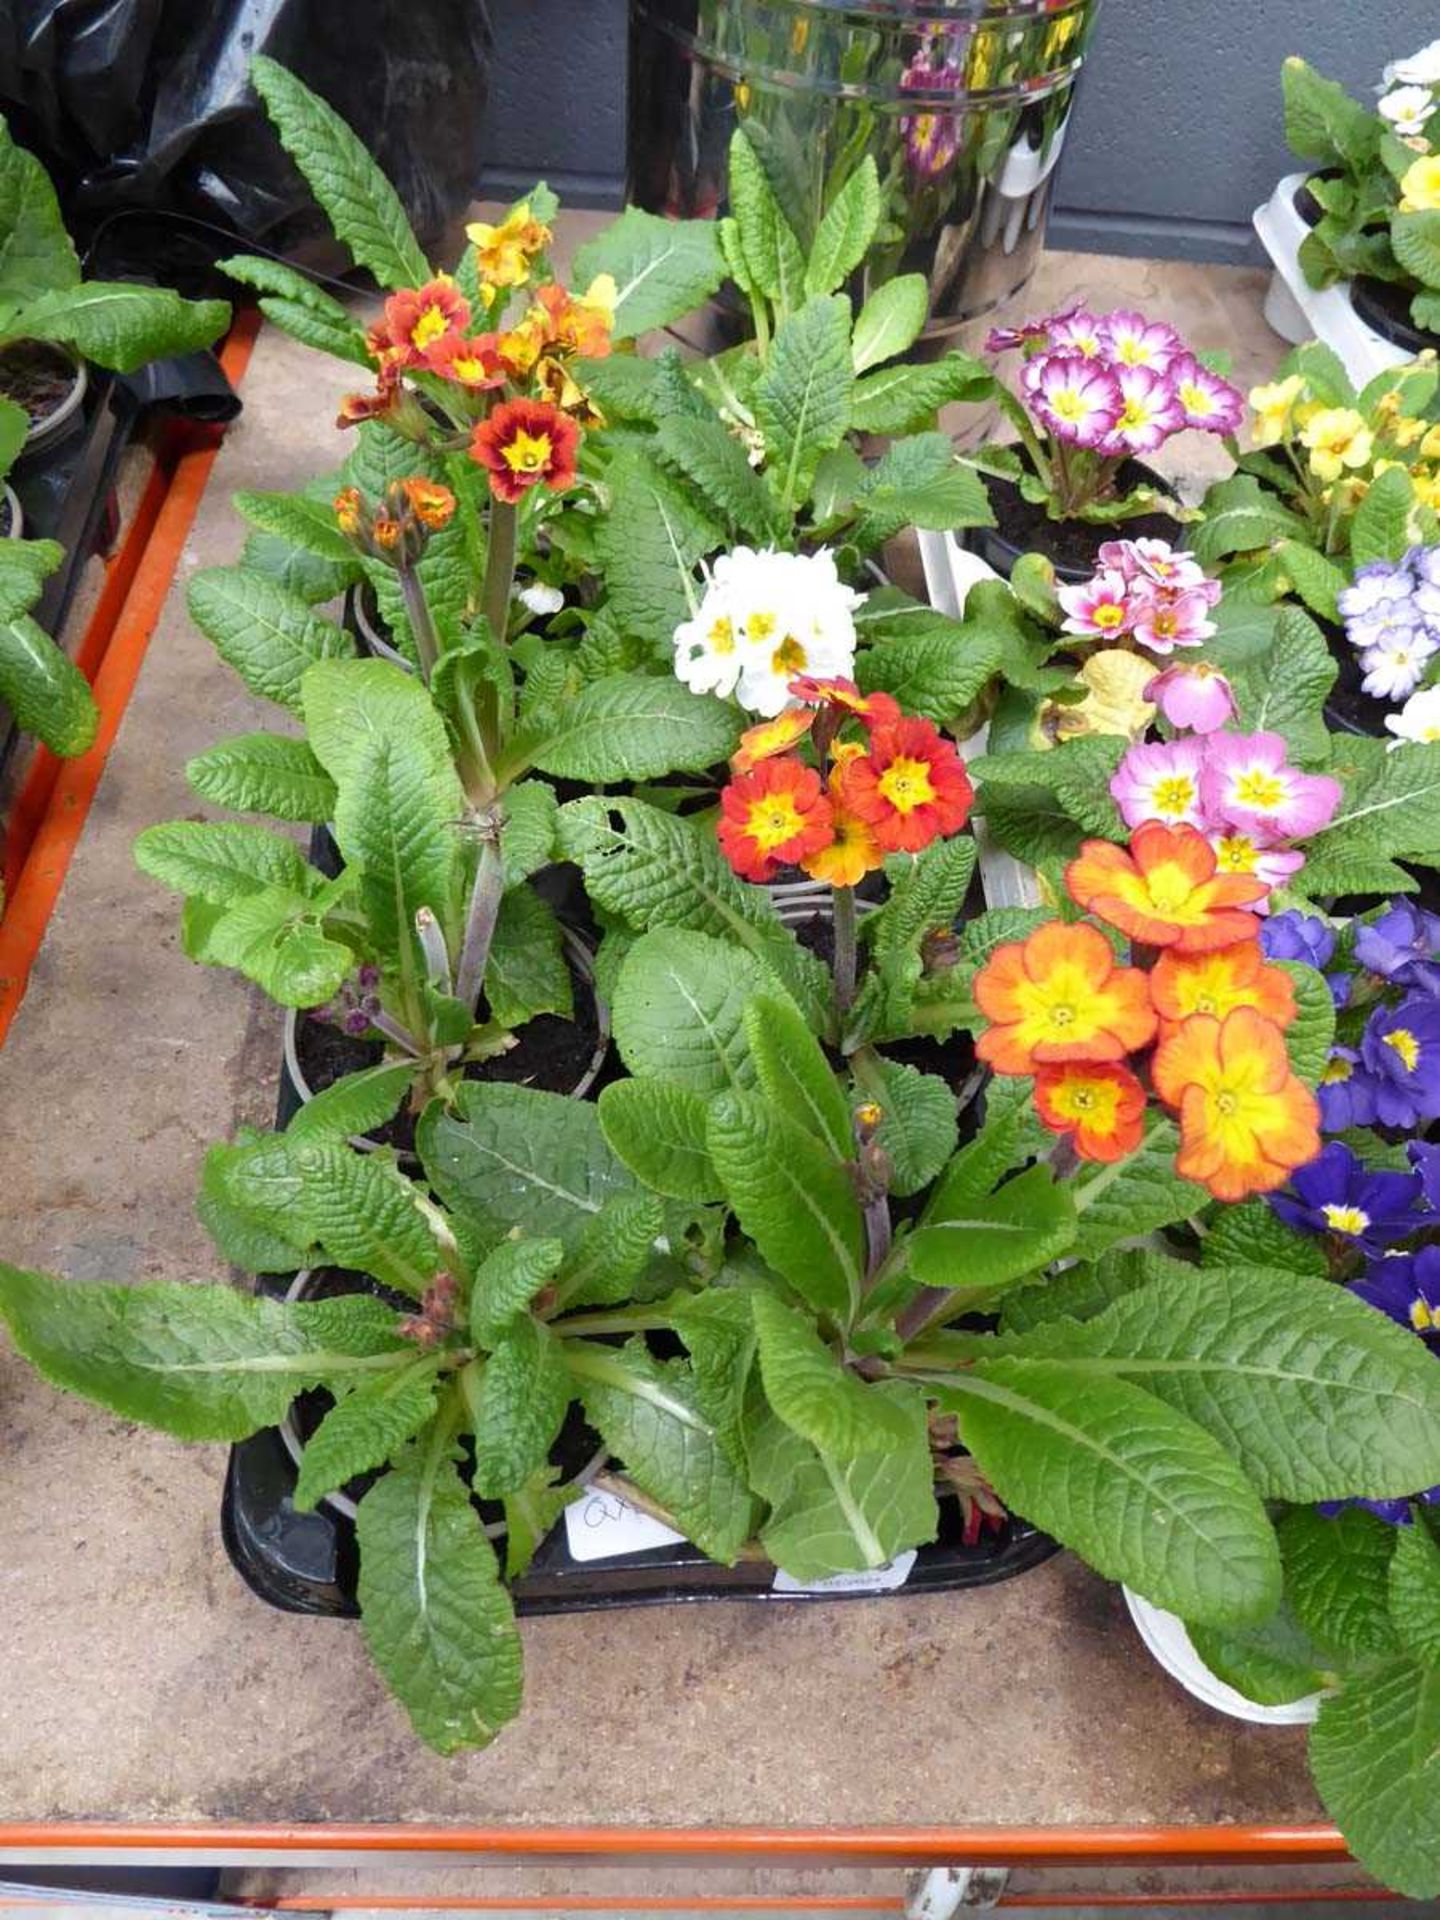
142 107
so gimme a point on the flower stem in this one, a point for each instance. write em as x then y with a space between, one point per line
845 945
422 625
482 912
500 568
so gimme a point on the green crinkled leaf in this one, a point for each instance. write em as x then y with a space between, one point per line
637 726
264 773
45 691
1322 122
299 307
1131 1197
252 1244
905 399
1285 691
399 800
1079 1292
221 861
356 1104
918 1125
506 1281
1337 1578
276 937
120 324
25 565
1239 515
648 1414
298 520
35 250
527 840
802 399
919 481
833 1516
614 1251
1415 1592
991 1241
657 1128
359 202
267 634
814 1394
773 262
1375 1755
935 668
200 1362
1390 807
713 460
524 1393
1315 579
517 1157
1128 1483
1415 238
793 1199
927 891
358 1207
663 269
438 1623
1273 1663
526 973
530 1512
679 1010
364 1429
1249 1234
890 320
846 230
1383 524
1310 1036
648 545
793 1073
1316 1394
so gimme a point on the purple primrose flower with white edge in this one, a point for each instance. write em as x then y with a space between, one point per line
1346 1092
1131 340
1206 401
1160 781
1076 399
1406 1286
1197 698
1401 1048
1402 946
1078 331
1335 1194
1150 415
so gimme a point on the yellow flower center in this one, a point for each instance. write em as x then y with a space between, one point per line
1259 789
1336 1072
905 783
1109 615
722 635
759 626
1170 886
1194 399
528 452
1068 403
773 821
1341 1219
1235 855
1136 413
429 327
1423 1318
1091 1101
1227 1104
789 656
1406 1045
1174 794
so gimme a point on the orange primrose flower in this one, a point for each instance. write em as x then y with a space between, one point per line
1058 996
769 737
555 382
875 709
417 319
524 444
775 816
1100 1104
579 323
909 788
349 511
432 505
1165 890
1246 1121
474 363
503 253
1216 983
520 348
850 855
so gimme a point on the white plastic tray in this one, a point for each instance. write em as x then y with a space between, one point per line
1298 311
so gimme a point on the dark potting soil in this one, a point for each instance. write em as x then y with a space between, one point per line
7 516
36 376
550 1053
1023 526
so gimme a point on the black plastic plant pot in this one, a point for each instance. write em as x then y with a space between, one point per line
308 1562
1071 546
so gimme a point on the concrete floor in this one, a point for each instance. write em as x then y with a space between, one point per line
144 1682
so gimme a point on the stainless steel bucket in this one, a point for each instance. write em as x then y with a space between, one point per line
963 105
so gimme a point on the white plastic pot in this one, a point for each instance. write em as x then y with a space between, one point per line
17 514
1298 311
1171 1646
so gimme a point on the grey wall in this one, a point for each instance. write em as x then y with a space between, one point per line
1176 139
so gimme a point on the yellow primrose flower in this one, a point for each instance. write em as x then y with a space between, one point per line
1430 445
1337 437
1406 432
503 254
1115 681
1272 407
1420 186
1427 488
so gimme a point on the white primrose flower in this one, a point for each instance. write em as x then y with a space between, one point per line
793 615
1421 69
1418 719
540 599
707 650
1408 108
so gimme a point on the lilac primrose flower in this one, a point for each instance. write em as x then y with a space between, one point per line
1346 1092
1381 584
1394 667
1406 1286
1336 1194
1401 1048
1402 946
1424 563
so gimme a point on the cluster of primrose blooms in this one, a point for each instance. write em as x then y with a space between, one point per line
509 391
1409 102
1198 1019
1337 452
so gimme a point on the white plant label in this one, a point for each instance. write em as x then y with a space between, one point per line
884 1579
603 1526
